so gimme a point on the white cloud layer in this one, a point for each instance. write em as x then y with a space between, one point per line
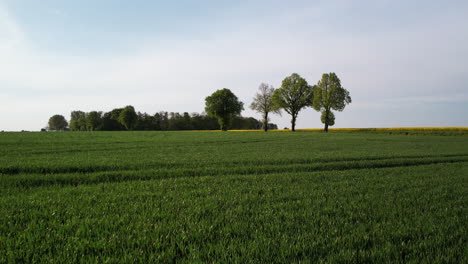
423 64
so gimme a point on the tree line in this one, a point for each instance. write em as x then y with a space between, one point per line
223 109
121 119
294 95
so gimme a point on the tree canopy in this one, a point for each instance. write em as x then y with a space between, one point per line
160 121
224 106
58 123
128 117
294 95
93 120
330 95
223 109
263 103
78 121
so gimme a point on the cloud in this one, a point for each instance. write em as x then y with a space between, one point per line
389 69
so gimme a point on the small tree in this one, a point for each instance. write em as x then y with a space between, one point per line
330 95
223 105
263 103
294 95
128 117
57 122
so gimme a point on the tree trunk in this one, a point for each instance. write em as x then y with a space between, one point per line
293 123
222 125
265 122
327 113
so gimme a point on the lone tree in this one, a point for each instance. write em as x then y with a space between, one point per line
264 104
330 95
223 105
57 122
128 117
294 95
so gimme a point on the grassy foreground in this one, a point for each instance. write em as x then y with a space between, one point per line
126 197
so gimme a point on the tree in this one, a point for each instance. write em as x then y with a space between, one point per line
78 121
186 121
81 123
175 121
223 105
146 122
272 126
330 95
128 117
204 122
57 122
243 123
294 95
264 104
93 120
110 123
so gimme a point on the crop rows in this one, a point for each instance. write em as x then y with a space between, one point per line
233 197
31 177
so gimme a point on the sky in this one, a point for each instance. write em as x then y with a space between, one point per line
405 63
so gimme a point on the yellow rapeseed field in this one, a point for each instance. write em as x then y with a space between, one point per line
339 129
360 129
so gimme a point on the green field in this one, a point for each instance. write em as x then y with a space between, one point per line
277 197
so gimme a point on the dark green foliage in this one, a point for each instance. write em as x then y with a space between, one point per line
149 197
128 117
224 106
110 121
203 122
148 122
245 123
194 121
294 95
330 95
78 121
57 123
97 121
272 126
179 122
93 120
328 118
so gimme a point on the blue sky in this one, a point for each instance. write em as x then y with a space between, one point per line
405 63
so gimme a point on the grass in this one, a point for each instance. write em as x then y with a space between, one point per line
138 197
